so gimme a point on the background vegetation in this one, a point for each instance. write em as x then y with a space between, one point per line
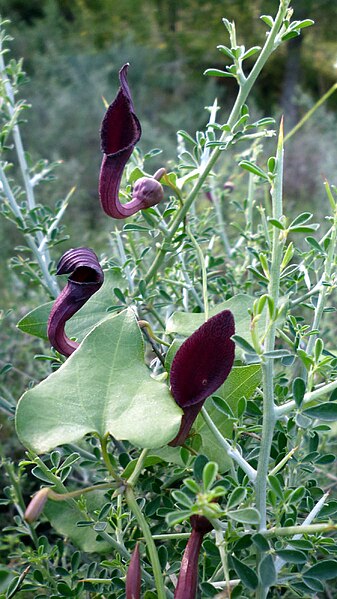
73 51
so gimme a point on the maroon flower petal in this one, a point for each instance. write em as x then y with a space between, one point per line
189 416
120 131
86 277
201 366
188 576
133 577
204 360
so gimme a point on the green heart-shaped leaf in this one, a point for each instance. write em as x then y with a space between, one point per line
104 387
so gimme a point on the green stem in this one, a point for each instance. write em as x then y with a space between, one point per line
156 315
244 91
306 527
122 254
48 281
119 547
251 193
138 468
324 289
306 296
21 508
56 221
283 462
71 494
289 531
203 270
156 568
230 451
43 256
171 536
146 325
289 406
221 225
60 488
269 419
20 504
56 482
17 137
310 112
106 457
266 441
267 365
189 282
219 542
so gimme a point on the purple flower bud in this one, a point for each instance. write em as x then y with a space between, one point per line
148 191
188 576
120 131
133 577
36 505
86 277
200 366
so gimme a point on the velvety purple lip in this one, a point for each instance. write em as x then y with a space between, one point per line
120 132
201 366
86 277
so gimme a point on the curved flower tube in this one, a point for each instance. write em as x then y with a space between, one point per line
86 277
200 366
188 577
133 576
120 131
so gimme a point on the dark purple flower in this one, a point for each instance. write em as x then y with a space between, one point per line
86 277
188 576
120 131
133 577
200 366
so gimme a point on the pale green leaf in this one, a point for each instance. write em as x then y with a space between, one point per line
248 515
64 515
185 323
218 73
104 387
